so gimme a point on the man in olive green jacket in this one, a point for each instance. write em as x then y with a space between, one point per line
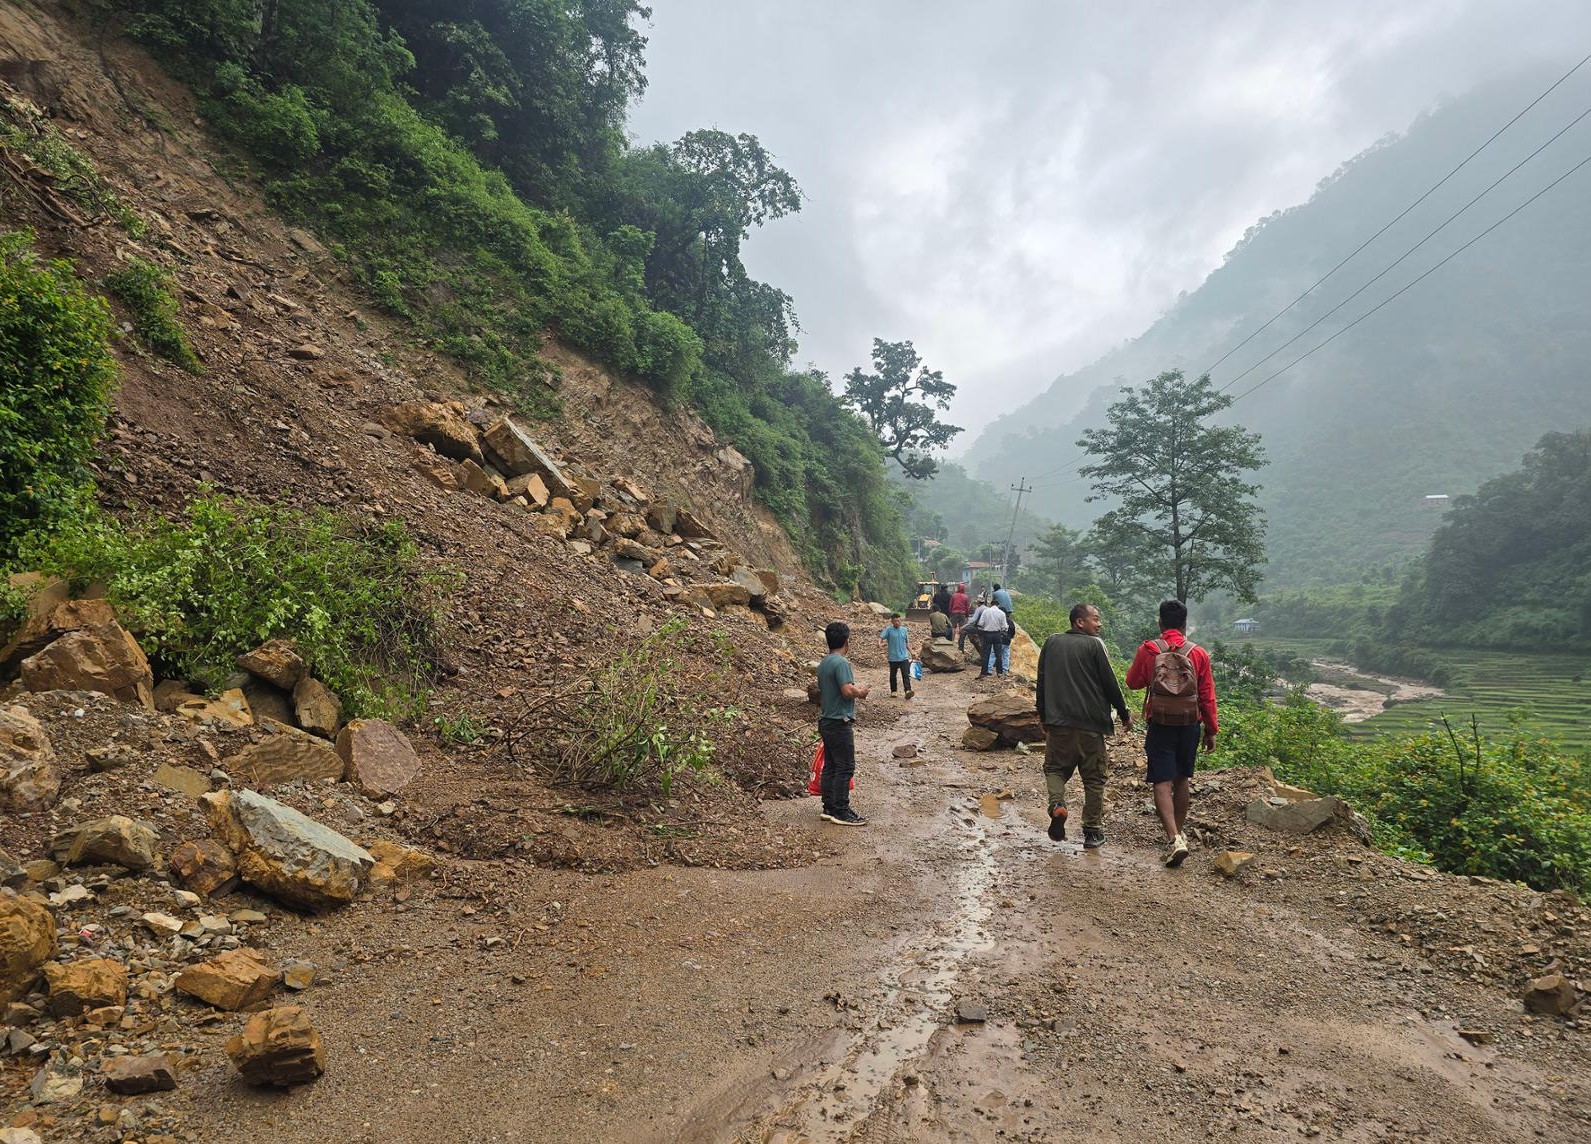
1077 688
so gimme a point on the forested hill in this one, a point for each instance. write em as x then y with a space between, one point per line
467 160
1442 389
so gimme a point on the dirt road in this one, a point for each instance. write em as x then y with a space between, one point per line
1125 1002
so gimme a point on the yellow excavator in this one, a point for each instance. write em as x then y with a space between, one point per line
922 599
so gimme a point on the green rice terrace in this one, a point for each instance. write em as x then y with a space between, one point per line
1551 691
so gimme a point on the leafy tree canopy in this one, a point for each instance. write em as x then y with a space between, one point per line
902 400
1179 484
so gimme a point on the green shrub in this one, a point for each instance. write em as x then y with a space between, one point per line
201 590
146 290
24 128
1517 809
56 378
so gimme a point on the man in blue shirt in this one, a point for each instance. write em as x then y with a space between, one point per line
1002 599
838 693
897 642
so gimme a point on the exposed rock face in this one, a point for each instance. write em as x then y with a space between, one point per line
28 778
130 1076
235 980
78 986
278 1046
941 655
276 662
517 454
377 757
27 942
286 853
104 658
203 866
1013 718
444 427
284 755
116 840
318 711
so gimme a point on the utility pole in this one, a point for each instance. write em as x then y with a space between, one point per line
1020 488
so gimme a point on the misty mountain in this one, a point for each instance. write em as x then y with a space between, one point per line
1434 394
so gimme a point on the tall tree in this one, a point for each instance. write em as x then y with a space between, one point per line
1061 554
902 400
1180 483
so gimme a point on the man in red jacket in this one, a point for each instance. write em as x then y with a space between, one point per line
1181 692
959 607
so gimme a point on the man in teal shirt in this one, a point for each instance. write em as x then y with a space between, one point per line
897 641
838 693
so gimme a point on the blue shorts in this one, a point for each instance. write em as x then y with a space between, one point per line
1172 751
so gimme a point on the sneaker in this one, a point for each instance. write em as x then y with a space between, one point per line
911 694
846 817
1093 838
1177 851
1057 831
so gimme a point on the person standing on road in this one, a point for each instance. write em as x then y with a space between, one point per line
1076 692
1181 698
993 633
970 628
1002 599
959 607
897 642
838 693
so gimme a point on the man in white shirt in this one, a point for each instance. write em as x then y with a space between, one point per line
992 635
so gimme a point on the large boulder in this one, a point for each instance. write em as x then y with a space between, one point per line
104 658
1013 718
756 590
115 841
278 1046
690 526
27 943
377 757
275 661
1024 657
50 616
78 986
235 980
444 427
941 655
284 755
1552 995
727 594
661 514
286 853
28 778
516 453
316 708
1306 815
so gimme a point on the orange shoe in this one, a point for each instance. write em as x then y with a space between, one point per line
1057 829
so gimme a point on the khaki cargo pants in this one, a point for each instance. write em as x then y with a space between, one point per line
1069 749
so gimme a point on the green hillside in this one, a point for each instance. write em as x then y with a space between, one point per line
1439 391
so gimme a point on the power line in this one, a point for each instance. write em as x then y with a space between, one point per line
1397 261
1078 461
1020 488
1416 281
1401 215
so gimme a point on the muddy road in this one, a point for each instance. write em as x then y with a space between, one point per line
1123 1001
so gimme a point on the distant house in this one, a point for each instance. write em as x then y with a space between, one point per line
1246 627
1435 500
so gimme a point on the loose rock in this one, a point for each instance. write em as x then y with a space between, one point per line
78 986
279 1047
1553 995
234 980
130 1076
286 853
1231 862
116 840
318 710
284 755
27 942
1011 717
203 866
29 780
104 658
377 757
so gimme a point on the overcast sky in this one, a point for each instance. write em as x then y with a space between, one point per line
1017 185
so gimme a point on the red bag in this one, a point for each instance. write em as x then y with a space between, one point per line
815 784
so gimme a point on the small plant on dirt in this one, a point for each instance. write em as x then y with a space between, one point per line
26 131
146 290
461 729
637 722
56 378
200 590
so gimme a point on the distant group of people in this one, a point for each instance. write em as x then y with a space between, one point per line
1076 694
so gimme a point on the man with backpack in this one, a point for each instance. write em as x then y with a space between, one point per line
1180 700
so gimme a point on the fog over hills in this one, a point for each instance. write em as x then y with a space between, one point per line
1440 390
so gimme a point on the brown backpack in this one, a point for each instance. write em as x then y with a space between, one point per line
1173 686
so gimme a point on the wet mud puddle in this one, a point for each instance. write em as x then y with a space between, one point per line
855 1096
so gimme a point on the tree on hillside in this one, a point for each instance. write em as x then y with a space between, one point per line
901 400
1180 483
1061 554
1124 566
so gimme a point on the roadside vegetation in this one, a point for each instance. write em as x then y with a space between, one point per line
147 291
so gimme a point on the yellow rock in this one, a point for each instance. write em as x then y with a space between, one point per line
1231 862
27 941
78 986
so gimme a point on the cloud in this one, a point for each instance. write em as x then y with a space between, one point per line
1018 185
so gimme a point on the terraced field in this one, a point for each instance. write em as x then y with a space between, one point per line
1493 685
